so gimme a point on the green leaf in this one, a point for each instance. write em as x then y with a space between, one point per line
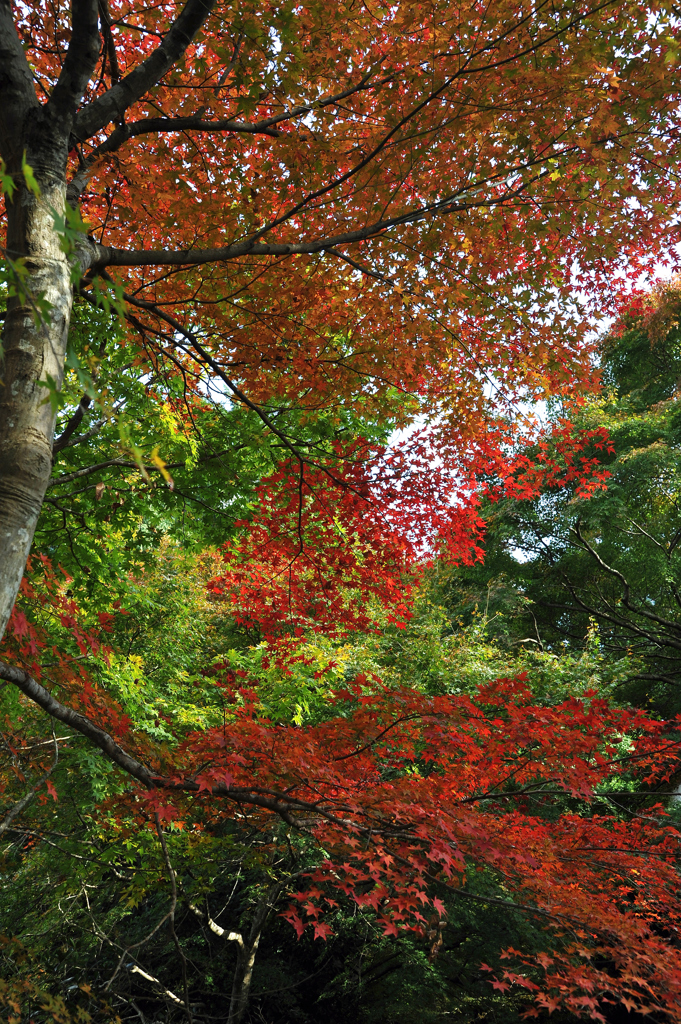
7 185
31 183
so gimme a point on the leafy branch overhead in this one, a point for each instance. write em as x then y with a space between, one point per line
282 285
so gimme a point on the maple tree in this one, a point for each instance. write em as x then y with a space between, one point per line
306 206
399 795
244 243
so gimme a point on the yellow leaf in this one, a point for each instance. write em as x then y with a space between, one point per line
161 467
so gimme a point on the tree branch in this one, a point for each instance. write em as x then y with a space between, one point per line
67 478
112 104
178 124
64 439
329 101
105 20
22 804
216 928
626 601
171 913
105 256
150 977
264 127
44 699
282 804
203 357
17 95
617 620
81 60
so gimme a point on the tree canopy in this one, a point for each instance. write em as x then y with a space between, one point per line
281 285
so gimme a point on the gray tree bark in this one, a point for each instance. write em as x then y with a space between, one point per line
34 349
34 345
34 342
243 974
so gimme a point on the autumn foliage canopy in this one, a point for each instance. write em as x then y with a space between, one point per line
357 242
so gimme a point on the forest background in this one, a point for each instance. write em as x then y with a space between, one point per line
336 685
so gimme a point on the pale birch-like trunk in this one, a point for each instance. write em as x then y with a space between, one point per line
34 347
247 948
37 322
34 350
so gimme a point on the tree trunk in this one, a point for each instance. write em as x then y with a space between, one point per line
243 975
34 350
248 948
37 323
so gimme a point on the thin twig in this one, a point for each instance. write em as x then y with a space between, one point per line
171 914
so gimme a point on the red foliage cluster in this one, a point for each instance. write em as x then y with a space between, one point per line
564 459
321 546
54 642
411 795
46 592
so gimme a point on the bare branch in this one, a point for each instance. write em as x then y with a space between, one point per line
17 95
150 977
67 440
105 256
81 60
329 101
645 635
216 928
626 601
112 104
650 537
64 439
171 913
67 478
195 123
